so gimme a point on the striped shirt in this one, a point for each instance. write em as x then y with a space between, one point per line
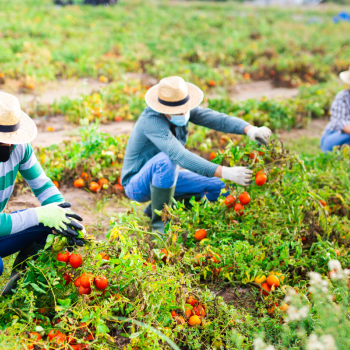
23 159
153 133
340 112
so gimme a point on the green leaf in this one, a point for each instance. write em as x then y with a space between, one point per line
64 302
49 241
135 335
37 288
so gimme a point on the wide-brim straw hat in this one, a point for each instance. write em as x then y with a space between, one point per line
16 127
173 96
345 76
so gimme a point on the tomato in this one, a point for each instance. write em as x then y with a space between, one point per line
212 155
244 198
67 278
56 184
71 339
337 252
180 320
118 118
89 337
86 280
261 153
60 338
323 203
173 314
239 209
199 310
94 187
211 83
118 188
104 256
260 172
101 282
43 310
252 155
120 181
188 312
200 234
260 279
230 201
35 336
79 183
194 321
265 289
85 176
166 255
75 260
284 307
191 301
260 179
102 182
273 280
83 290
77 282
64 257
53 333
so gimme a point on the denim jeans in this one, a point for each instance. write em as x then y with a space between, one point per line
332 139
11 244
162 172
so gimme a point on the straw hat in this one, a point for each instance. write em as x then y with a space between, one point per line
345 76
173 96
16 127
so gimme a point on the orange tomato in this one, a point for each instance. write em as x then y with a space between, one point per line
284 307
180 320
200 234
191 301
212 155
265 289
188 312
56 184
79 183
102 182
194 321
118 118
260 179
323 203
104 256
94 187
118 188
273 280
211 83
85 176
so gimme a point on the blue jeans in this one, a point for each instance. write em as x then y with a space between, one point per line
332 139
162 172
11 244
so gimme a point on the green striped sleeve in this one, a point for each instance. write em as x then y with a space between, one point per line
5 224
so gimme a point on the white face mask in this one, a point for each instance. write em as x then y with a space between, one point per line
179 119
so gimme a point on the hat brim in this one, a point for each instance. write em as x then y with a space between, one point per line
345 77
25 134
195 93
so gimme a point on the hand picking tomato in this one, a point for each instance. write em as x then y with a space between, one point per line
64 257
101 282
244 198
239 209
200 234
230 201
75 260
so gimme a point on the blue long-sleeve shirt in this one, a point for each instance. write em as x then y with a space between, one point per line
152 134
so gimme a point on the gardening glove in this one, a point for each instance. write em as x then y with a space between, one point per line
58 217
261 135
239 175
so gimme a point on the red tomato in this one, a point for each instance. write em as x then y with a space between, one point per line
101 282
53 333
86 280
323 203
239 209
60 338
35 336
244 198
260 179
230 201
252 155
83 290
67 278
234 222
77 282
64 257
75 260
104 256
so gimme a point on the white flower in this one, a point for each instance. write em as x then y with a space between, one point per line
304 311
294 314
315 278
326 342
270 347
258 344
334 265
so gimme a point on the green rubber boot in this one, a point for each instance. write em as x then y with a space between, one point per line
159 197
19 266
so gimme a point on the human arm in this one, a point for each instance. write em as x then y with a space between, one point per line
347 129
340 112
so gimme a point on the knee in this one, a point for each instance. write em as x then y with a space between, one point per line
166 172
165 164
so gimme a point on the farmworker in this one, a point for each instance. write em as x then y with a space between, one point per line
26 231
337 131
155 149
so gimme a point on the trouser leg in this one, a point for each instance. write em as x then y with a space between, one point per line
331 139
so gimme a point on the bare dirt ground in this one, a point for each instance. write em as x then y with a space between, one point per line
97 210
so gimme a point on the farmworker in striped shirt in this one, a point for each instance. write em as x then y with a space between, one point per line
337 131
155 150
26 231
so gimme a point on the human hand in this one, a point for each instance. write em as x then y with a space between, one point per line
239 175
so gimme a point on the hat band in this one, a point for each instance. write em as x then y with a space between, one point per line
10 128
174 104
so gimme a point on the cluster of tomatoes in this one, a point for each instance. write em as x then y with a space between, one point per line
85 281
96 187
194 313
231 202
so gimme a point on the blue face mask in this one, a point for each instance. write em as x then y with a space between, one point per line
180 120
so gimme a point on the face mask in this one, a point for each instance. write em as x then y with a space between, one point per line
180 120
5 153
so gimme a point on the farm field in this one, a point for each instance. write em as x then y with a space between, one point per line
264 268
